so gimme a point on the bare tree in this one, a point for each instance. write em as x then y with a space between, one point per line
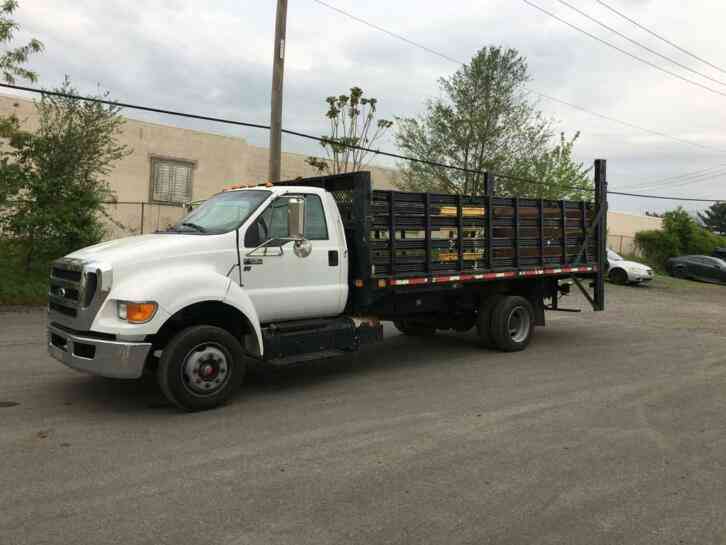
353 126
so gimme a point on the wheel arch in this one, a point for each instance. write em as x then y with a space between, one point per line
221 314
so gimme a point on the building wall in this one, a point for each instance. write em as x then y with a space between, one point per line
622 228
218 160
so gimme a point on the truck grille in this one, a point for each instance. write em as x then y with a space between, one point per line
69 290
77 291
66 274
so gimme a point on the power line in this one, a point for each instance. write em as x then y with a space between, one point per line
682 183
623 51
678 47
318 139
533 91
677 177
389 32
631 40
267 127
661 197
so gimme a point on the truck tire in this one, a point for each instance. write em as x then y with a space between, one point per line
200 368
414 329
512 323
484 320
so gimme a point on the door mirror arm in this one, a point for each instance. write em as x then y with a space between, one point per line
261 249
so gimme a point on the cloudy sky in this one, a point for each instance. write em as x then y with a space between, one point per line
214 58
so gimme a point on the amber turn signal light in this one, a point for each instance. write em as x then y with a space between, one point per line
136 313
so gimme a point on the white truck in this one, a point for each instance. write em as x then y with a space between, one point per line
278 275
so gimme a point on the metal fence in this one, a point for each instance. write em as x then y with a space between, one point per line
125 218
623 244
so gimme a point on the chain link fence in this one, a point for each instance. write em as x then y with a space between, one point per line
623 244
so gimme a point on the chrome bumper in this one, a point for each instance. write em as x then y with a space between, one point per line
97 356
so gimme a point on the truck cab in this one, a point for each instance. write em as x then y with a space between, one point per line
243 259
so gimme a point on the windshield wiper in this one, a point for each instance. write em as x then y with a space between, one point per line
194 226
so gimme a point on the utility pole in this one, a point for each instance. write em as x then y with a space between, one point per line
278 75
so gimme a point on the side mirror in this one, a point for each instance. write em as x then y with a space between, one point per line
296 218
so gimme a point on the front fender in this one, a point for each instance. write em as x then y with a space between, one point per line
238 298
174 291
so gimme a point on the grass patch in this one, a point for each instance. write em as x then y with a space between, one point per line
18 287
669 282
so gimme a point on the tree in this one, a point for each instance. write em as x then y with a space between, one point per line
54 178
11 60
352 118
483 122
714 218
681 235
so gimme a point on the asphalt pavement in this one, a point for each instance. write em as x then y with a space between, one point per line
609 429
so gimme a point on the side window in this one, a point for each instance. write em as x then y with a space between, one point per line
279 219
316 227
274 222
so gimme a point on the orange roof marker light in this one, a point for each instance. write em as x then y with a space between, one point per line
237 186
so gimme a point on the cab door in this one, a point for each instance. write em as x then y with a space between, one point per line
285 285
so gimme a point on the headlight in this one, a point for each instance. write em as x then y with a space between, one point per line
136 313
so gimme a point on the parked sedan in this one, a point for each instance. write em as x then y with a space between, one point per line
698 267
621 271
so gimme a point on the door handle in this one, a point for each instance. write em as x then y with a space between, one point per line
333 258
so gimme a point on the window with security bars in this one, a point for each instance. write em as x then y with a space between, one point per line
171 181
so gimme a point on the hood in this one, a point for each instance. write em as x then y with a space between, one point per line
144 248
631 266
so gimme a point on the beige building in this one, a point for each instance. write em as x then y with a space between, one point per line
622 228
170 165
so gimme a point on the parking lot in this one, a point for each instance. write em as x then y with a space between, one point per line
609 429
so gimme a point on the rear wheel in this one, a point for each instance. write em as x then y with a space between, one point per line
200 368
618 276
414 329
484 320
680 272
512 324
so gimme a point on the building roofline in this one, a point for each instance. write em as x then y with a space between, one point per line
143 121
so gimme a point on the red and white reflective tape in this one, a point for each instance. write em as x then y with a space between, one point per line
488 276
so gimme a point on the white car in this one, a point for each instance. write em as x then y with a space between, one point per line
621 271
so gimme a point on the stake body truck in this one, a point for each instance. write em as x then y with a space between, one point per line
308 269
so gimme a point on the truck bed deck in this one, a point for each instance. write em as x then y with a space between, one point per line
406 238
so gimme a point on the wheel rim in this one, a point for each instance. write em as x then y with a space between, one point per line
206 370
518 324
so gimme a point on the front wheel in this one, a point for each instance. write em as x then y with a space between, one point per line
200 368
618 276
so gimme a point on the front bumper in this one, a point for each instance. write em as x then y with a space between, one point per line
100 357
641 278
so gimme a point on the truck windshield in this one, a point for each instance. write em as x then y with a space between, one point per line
223 212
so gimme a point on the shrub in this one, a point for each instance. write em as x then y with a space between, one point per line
681 235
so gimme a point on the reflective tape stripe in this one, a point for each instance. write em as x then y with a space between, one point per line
488 276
